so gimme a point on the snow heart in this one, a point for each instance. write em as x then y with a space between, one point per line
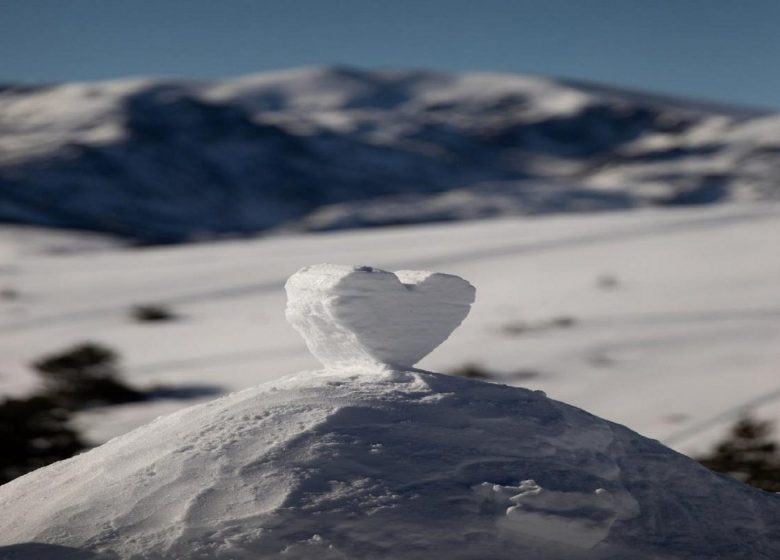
363 316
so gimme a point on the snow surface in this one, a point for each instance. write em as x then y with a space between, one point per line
366 460
384 464
684 342
362 316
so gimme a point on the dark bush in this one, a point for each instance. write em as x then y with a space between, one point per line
472 371
86 359
34 433
607 282
152 313
475 371
561 322
85 375
748 453
9 293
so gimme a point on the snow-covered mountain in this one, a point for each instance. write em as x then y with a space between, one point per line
161 160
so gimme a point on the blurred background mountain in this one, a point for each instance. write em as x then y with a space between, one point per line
159 161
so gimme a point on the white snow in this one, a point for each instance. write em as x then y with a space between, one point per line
371 459
324 141
384 464
686 341
359 316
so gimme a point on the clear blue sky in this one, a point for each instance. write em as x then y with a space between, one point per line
718 49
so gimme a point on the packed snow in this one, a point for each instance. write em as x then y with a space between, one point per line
365 316
351 463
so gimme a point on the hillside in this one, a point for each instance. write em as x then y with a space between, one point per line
366 459
662 320
162 160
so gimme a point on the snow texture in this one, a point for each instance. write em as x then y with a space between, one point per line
359 316
383 463
390 464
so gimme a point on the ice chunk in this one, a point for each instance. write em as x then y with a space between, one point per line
580 519
364 316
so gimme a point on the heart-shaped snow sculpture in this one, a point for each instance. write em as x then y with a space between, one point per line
359 315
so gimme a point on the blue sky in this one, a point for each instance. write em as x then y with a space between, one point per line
718 49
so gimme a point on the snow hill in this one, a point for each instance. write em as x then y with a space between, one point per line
163 160
384 465
364 460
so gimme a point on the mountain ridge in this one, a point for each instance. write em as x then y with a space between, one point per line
161 160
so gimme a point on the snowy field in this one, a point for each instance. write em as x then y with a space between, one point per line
667 321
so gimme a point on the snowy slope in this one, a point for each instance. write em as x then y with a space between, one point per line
687 339
385 464
367 460
161 160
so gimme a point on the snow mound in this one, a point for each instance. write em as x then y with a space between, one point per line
359 315
388 465
382 462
